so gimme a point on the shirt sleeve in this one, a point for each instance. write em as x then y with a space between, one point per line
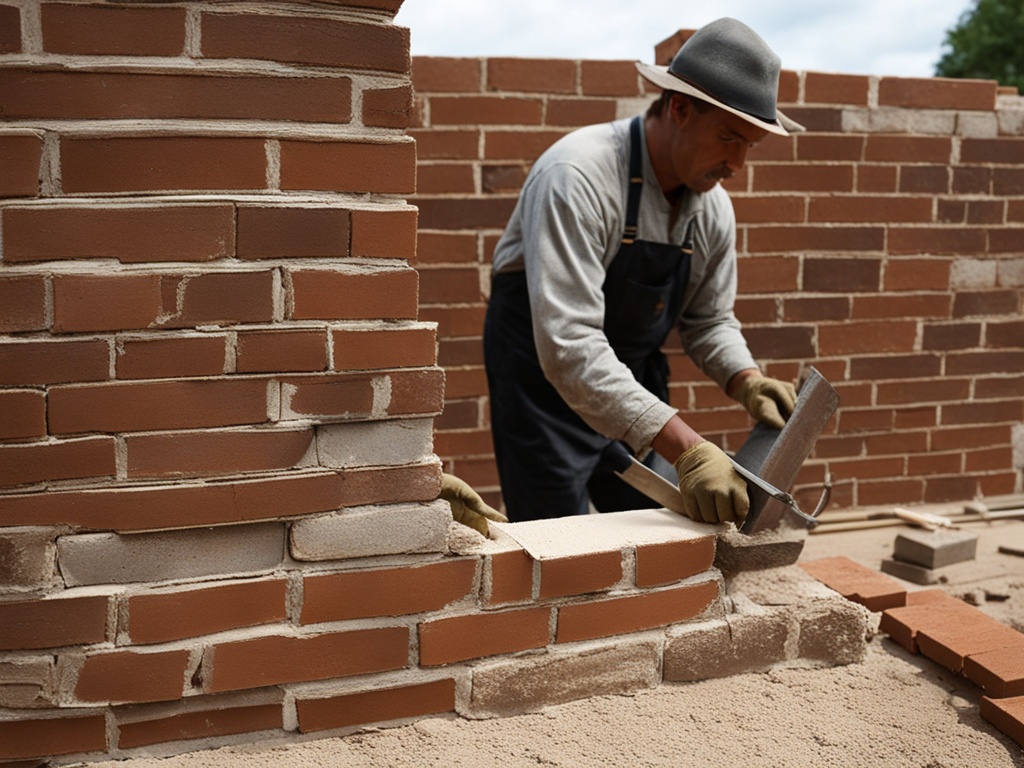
567 226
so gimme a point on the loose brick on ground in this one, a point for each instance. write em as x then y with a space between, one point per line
1005 714
856 582
999 672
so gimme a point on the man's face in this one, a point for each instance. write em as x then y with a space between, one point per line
709 145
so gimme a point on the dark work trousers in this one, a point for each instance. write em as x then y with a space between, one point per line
550 461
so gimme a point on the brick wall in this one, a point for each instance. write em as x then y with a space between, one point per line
885 246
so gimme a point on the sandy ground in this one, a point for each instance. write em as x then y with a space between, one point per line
894 709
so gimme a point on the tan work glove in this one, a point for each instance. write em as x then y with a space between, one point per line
713 491
467 506
770 401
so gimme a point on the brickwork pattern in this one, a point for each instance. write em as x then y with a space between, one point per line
884 246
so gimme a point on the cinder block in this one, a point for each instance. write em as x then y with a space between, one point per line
738 644
529 683
378 443
372 531
110 558
768 549
27 557
935 549
916 574
833 631
27 683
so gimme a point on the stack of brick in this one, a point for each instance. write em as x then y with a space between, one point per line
217 481
883 246
946 630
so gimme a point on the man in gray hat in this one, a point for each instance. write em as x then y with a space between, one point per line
620 233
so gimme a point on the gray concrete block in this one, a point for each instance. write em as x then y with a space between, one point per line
738 644
371 531
111 558
915 574
738 552
27 683
834 631
376 443
530 683
27 557
935 549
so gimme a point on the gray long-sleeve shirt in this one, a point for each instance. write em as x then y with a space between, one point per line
565 231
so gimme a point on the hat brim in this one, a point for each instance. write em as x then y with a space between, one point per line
662 78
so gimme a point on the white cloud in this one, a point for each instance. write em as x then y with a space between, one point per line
884 37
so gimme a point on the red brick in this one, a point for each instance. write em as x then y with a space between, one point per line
120 31
387 107
202 724
983 413
902 306
900 442
769 274
209 453
937 93
54 622
1005 714
985 362
392 348
908 149
454 285
62 94
27 363
1000 388
22 414
858 337
195 505
789 86
949 644
634 613
20 158
934 464
102 302
160 617
999 672
462 213
128 234
292 351
327 295
22 303
459 638
441 178
835 89
890 492
923 610
348 166
768 209
386 591
950 336
1004 151
800 177
870 209
936 240
66 460
597 572
917 274
384 234
769 239
485 110
306 40
518 145
774 150
165 358
865 420
437 144
351 395
658 564
511 577
785 342
955 390
376 706
873 590
759 310
990 460
10 29
444 74
609 78
842 275
1007 181
441 248
274 660
924 179
876 178
277 232
1006 302
126 676
1004 334
141 406
218 298
156 163
577 112
531 75
456 321
29 737
866 468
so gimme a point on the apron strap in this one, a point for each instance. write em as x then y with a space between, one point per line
636 181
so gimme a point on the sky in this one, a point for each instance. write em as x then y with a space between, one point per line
866 37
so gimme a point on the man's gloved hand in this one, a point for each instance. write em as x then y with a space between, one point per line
467 506
713 491
770 401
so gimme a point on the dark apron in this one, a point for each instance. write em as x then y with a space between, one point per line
550 461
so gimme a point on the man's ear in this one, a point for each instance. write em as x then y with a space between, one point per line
680 107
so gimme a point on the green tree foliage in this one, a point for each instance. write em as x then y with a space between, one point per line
988 43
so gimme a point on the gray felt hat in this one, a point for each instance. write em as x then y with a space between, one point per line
727 64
